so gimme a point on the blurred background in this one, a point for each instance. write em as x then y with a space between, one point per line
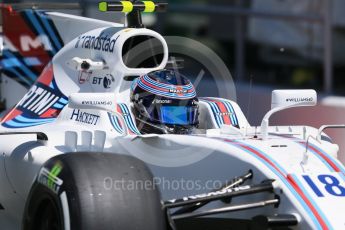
266 44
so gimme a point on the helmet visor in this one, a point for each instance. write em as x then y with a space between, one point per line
178 115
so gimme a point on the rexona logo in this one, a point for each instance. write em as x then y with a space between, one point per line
301 99
101 42
39 99
84 117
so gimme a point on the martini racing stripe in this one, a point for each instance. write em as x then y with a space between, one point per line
165 94
298 185
166 86
324 157
178 92
17 124
115 123
129 122
128 119
304 198
223 111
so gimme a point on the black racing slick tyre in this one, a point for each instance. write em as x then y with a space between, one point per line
91 191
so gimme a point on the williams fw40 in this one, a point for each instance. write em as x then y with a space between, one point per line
100 140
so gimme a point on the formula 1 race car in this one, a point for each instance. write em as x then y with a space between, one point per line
103 141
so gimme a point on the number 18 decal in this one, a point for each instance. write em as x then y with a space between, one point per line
330 183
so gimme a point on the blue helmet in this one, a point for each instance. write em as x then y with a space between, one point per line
164 102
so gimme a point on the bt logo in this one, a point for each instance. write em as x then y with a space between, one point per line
105 81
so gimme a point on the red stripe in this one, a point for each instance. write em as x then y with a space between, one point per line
50 113
307 201
12 114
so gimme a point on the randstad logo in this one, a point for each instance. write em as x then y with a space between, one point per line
101 42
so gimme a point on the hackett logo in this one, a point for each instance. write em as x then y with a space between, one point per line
83 117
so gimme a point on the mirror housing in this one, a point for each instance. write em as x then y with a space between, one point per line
284 99
293 98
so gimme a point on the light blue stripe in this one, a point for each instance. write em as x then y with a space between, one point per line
63 101
58 106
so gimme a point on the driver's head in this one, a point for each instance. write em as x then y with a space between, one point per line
164 102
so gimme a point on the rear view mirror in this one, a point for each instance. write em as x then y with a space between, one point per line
293 98
284 99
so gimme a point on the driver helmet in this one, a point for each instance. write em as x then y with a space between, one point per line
164 102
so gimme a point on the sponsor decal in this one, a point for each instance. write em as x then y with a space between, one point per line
102 42
160 101
204 195
84 117
301 99
28 43
178 90
96 102
39 99
50 178
225 114
105 81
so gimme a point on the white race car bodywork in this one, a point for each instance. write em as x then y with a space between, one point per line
307 175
